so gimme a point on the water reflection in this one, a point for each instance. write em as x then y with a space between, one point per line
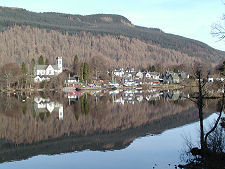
132 96
102 120
45 107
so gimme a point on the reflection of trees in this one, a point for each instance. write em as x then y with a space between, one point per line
10 106
85 104
211 154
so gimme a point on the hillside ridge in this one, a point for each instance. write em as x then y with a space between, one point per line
110 25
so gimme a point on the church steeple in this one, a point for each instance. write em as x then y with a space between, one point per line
59 63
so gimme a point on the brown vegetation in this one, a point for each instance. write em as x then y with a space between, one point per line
21 44
102 116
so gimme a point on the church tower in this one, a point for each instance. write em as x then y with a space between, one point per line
59 63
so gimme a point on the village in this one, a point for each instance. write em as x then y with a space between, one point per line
120 78
52 77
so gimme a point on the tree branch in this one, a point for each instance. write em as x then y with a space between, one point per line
217 121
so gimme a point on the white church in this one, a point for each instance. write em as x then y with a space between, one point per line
44 72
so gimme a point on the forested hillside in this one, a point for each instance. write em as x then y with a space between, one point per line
113 38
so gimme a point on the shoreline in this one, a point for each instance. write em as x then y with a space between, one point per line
71 89
141 87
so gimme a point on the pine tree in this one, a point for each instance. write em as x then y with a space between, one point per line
75 63
46 61
41 60
24 69
32 64
153 68
81 76
86 71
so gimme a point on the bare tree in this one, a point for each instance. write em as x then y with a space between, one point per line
218 29
10 74
205 156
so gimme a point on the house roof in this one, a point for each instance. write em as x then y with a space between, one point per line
41 67
55 67
44 67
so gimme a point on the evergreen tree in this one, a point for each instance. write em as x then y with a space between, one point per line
32 64
81 76
41 60
175 70
153 68
86 71
24 69
75 64
75 61
46 61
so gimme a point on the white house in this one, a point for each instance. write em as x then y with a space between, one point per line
44 72
119 72
210 78
139 75
152 75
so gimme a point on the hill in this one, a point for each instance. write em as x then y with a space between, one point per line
113 38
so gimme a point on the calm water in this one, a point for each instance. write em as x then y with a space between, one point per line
118 129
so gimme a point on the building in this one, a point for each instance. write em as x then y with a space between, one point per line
170 77
210 78
73 82
46 106
183 75
119 72
139 75
44 72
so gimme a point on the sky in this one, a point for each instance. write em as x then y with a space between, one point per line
189 18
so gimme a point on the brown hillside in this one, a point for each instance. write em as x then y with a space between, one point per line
20 44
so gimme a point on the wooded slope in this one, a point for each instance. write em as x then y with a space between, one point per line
114 38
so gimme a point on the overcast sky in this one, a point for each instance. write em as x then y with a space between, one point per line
188 18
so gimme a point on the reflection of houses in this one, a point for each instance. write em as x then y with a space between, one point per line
113 84
44 72
130 96
120 100
130 83
172 95
73 96
154 94
42 105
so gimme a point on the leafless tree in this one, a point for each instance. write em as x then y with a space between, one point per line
205 156
9 74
